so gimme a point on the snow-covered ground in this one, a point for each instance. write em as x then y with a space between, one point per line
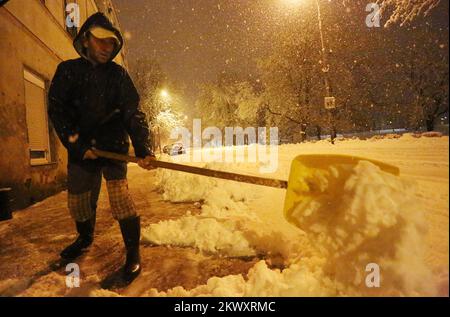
399 223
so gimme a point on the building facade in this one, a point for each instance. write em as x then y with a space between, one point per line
35 36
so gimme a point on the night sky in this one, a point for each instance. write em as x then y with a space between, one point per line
195 40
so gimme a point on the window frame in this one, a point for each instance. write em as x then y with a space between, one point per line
40 82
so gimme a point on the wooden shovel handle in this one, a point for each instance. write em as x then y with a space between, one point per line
198 170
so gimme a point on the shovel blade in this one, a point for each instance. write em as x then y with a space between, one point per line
309 170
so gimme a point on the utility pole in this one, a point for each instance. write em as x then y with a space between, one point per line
326 66
329 101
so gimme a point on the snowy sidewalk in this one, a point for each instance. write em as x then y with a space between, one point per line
32 240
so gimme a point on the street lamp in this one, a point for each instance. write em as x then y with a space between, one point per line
164 94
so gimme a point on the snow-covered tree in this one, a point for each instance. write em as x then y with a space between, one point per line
248 103
215 106
294 77
404 11
367 74
148 78
165 122
229 102
423 65
163 113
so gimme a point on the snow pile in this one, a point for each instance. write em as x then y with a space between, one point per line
212 231
176 191
373 217
207 234
432 134
235 219
370 216
297 280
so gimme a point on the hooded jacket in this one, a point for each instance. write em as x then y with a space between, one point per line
100 103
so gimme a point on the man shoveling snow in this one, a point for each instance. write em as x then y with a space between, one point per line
94 103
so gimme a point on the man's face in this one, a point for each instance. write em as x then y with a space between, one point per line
99 50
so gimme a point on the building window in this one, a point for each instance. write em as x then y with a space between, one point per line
36 116
71 30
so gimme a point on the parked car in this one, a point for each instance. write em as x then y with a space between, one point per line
174 149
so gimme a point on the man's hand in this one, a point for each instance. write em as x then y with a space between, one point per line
89 155
146 162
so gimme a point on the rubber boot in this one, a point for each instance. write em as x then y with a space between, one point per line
131 233
86 236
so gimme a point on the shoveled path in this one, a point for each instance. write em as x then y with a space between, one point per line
30 244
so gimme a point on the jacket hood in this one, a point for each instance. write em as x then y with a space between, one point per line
100 20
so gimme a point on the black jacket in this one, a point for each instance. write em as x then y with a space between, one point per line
99 103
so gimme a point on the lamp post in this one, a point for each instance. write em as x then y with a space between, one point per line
329 101
326 66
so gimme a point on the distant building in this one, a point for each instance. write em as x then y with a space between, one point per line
34 39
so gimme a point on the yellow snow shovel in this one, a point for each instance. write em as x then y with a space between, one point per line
307 175
312 175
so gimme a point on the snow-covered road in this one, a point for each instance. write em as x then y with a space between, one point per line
240 219
237 236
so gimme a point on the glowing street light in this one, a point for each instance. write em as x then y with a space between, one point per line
164 94
293 2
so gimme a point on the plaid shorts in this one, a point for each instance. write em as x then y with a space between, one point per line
122 205
84 187
80 206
